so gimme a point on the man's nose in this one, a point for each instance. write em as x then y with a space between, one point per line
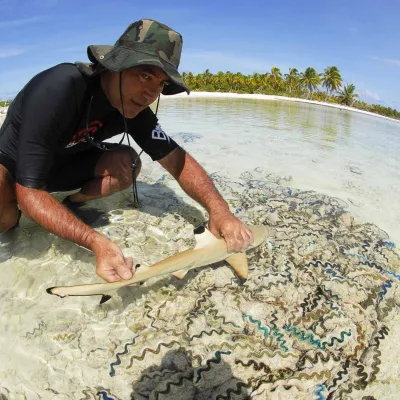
152 89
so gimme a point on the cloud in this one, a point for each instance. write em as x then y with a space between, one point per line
21 22
5 53
371 95
387 60
7 94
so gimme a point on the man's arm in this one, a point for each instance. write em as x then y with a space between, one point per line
198 185
46 211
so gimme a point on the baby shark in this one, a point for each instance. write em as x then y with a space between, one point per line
208 250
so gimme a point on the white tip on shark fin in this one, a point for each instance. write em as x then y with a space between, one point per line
180 274
204 238
238 262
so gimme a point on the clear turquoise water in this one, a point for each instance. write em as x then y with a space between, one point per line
148 337
341 153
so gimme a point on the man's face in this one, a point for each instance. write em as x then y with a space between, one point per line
140 87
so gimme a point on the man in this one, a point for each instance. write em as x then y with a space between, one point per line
52 138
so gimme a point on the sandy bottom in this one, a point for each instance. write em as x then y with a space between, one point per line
318 316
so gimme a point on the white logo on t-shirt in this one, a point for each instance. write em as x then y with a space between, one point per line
159 134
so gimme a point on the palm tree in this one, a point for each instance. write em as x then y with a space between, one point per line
265 80
229 79
272 83
219 79
331 79
207 77
347 95
310 79
292 79
255 82
189 79
276 77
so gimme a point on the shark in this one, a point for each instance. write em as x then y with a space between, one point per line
208 250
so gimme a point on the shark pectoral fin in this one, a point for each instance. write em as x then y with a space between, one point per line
238 262
180 274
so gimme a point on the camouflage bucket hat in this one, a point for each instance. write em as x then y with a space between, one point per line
145 42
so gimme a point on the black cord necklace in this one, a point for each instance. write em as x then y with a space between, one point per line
103 147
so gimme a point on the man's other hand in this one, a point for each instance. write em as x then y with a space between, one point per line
111 264
237 236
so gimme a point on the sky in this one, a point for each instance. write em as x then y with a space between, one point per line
360 37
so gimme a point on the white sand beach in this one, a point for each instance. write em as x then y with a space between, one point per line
273 97
3 110
318 315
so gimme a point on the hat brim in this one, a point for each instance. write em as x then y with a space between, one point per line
119 58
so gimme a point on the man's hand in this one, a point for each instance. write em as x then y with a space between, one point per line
111 264
44 209
237 236
198 185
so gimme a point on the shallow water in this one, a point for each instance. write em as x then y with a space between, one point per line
341 153
317 316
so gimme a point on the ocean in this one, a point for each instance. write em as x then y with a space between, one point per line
318 316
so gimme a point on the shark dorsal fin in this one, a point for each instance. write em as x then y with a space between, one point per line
203 237
238 262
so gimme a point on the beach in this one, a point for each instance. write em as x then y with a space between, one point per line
348 180
3 110
361 173
273 97
317 316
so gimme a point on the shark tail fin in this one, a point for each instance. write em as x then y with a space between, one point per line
238 262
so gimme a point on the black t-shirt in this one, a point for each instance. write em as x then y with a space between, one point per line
47 120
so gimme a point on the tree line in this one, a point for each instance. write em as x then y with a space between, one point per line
325 87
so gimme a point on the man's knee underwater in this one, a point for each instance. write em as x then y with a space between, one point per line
9 212
119 165
9 217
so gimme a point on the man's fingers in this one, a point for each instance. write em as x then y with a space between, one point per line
234 242
129 263
116 271
247 239
109 276
117 274
250 236
229 244
238 241
124 270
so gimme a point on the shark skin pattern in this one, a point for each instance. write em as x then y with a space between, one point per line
208 250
